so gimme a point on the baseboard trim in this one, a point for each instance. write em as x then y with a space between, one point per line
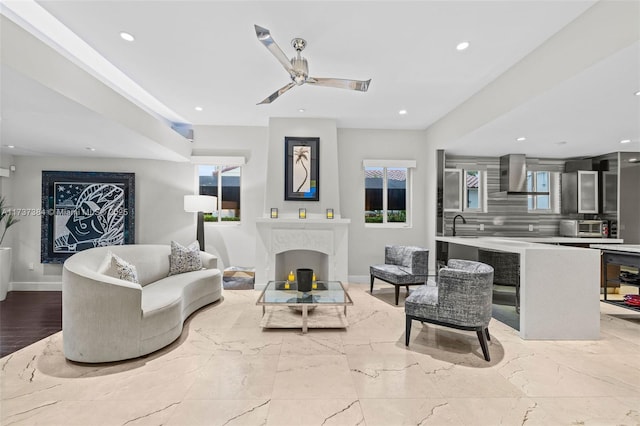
360 279
35 286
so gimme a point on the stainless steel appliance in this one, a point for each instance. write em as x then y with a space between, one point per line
583 228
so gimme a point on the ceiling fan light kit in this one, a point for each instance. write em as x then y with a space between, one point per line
298 68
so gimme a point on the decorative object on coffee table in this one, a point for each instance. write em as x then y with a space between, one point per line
305 279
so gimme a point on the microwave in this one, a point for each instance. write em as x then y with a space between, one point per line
583 228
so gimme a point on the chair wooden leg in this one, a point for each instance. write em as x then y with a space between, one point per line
486 331
397 293
483 344
407 332
371 291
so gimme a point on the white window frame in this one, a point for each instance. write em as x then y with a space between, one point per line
389 164
554 193
220 161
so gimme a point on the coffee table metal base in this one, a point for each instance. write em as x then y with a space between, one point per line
321 317
325 306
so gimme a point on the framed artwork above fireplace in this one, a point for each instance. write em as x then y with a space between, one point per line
302 169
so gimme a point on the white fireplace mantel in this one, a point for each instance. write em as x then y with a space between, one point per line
328 236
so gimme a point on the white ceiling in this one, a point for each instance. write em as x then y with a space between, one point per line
205 53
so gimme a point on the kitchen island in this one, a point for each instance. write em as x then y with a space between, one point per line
559 285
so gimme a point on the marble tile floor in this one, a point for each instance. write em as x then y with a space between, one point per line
226 370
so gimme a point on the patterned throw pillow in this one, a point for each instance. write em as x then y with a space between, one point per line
126 271
184 259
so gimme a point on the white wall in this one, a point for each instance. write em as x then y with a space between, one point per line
160 187
160 217
6 192
366 244
234 243
325 129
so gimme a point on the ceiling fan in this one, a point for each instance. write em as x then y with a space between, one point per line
298 68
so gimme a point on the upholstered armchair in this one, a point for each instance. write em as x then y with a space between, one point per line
403 265
461 299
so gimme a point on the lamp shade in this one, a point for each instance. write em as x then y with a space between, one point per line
200 203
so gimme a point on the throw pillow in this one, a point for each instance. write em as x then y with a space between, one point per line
126 271
184 259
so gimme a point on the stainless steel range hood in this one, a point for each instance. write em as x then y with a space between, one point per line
513 175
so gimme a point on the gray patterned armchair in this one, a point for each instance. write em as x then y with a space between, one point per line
462 300
403 265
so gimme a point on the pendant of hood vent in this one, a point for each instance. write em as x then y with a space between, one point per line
513 175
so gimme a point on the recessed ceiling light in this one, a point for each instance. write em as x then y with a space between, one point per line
463 45
521 138
198 108
10 146
633 160
127 36
402 112
637 93
625 141
301 110
90 149
561 143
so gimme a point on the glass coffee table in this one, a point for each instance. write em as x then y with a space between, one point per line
286 294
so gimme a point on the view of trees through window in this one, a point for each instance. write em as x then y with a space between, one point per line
222 182
385 194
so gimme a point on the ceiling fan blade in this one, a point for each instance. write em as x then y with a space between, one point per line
276 94
361 85
265 38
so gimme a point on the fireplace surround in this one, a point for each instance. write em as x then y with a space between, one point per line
302 239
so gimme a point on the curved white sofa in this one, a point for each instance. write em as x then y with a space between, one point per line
108 319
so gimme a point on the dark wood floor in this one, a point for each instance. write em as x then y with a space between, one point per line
28 316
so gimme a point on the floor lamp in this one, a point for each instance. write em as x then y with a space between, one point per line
200 204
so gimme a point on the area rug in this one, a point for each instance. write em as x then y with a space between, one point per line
238 278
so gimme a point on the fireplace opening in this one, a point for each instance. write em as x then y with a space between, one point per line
291 260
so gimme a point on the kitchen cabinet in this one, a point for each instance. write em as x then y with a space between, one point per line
616 256
452 201
580 192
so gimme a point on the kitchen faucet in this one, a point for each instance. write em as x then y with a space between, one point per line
454 222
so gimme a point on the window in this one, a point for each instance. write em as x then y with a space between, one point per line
222 182
386 195
472 190
539 182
